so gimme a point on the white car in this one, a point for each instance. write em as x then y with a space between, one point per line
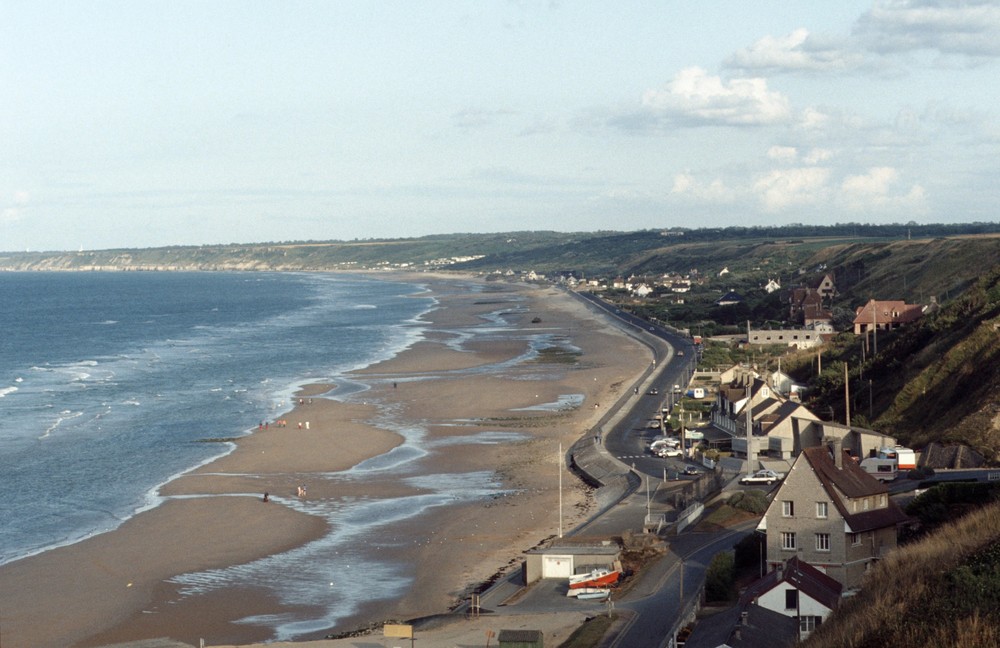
669 452
762 477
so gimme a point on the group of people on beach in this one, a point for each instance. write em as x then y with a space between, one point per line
300 492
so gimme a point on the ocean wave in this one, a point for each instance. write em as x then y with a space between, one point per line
64 415
7 390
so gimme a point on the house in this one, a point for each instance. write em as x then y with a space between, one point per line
807 303
744 626
642 290
729 299
832 514
781 608
799 590
785 384
771 286
794 338
782 427
885 315
824 286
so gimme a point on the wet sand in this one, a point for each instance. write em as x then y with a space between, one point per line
466 377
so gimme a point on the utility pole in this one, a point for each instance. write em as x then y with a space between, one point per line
560 488
749 431
847 397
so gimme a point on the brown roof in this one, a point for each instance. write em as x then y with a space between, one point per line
885 312
802 576
852 480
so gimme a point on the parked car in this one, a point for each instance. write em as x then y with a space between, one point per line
762 477
669 452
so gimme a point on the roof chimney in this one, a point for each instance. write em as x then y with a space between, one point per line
836 447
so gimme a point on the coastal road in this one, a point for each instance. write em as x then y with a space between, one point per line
675 359
670 588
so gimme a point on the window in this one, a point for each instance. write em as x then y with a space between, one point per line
809 623
865 503
788 540
791 599
822 542
821 509
881 501
787 508
855 539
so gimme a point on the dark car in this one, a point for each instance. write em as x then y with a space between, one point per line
691 470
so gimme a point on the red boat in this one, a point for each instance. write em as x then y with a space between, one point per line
602 577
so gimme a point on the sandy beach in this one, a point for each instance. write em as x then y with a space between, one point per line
464 379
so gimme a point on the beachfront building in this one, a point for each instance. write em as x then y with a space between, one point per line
832 514
781 427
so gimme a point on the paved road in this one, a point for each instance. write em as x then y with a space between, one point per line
667 588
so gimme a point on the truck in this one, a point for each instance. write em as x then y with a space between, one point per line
880 468
905 458
696 392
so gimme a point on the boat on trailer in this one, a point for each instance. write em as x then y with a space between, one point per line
601 577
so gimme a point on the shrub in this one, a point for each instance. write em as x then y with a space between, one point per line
720 577
752 501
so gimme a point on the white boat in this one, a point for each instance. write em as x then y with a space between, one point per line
594 596
580 591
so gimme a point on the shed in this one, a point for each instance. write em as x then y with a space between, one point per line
565 560
521 639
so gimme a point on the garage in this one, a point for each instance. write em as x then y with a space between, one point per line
557 566
564 560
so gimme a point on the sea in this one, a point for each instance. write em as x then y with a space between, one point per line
112 384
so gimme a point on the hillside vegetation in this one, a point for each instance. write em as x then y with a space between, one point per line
941 591
937 380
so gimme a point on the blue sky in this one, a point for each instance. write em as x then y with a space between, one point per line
140 123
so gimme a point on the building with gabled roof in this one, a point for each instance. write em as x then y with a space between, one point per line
885 315
799 590
831 513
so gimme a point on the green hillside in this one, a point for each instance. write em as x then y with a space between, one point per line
935 380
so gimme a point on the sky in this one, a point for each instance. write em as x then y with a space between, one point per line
139 123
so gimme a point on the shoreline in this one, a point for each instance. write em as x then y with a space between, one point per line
426 386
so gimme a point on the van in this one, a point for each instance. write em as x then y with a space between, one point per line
880 468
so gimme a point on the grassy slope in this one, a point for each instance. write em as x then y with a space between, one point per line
941 591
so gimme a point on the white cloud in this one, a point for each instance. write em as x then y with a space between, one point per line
782 188
14 209
715 191
782 153
695 96
817 155
797 51
875 190
812 119
971 27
